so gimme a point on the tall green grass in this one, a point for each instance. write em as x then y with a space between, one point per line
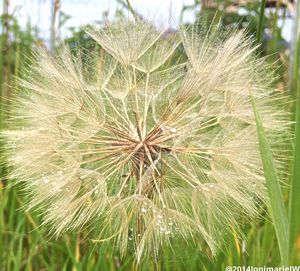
260 28
294 203
287 228
276 204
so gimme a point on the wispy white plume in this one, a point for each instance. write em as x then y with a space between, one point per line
141 149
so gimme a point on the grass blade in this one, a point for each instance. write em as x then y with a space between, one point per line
260 22
294 207
276 204
295 182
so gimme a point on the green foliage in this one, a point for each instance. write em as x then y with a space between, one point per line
294 203
276 205
25 246
295 184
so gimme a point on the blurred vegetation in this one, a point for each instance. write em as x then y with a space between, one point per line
26 246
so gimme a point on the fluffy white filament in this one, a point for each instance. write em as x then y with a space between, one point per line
142 150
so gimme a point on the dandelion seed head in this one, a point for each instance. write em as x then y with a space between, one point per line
138 148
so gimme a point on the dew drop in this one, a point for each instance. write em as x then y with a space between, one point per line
162 229
206 189
244 246
144 210
45 180
173 130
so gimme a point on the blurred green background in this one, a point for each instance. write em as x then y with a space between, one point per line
24 245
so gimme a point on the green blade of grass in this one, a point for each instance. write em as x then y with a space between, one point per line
295 55
276 204
294 207
260 22
295 183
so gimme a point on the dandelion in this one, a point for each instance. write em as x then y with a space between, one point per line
142 150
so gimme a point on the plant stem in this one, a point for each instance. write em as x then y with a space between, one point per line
294 218
260 22
131 10
294 56
5 63
56 4
5 49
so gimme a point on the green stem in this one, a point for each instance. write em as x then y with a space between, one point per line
131 10
295 181
260 22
